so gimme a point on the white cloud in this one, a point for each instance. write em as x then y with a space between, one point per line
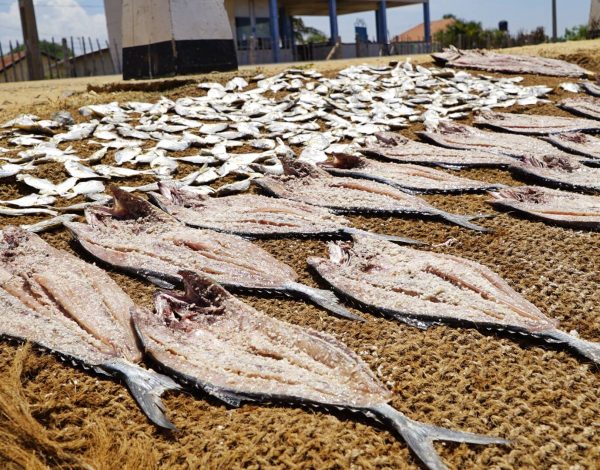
55 18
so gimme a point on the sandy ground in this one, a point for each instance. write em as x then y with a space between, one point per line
542 398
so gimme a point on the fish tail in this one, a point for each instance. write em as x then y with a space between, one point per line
381 236
588 349
420 436
146 386
323 298
463 221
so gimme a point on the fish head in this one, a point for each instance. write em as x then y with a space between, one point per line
129 206
346 161
202 297
294 167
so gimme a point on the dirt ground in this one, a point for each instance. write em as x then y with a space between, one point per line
542 398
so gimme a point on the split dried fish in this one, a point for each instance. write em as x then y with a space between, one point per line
76 311
399 149
305 183
406 176
535 124
253 215
244 355
405 283
550 205
561 172
508 63
577 143
138 237
586 106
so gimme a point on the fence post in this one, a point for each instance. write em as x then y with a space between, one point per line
72 62
100 56
92 57
66 58
13 58
56 61
4 71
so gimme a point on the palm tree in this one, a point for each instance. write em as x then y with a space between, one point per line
307 34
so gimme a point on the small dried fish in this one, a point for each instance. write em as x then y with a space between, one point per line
77 170
10 169
406 176
127 154
306 183
550 205
405 283
253 215
535 124
577 143
25 211
31 200
47 224
138 237
212 341
77 132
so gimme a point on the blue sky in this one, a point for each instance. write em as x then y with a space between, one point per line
86 17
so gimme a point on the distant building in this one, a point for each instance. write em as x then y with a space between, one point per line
13 67
417 33
152 38
595 17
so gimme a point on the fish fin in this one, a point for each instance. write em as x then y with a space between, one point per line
588 349
380 236
323 298
146 387
420 436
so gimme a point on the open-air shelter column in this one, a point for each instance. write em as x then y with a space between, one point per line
333 22
274 19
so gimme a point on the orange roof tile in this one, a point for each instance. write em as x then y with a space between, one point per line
417 33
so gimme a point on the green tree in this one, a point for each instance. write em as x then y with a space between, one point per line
307 34
49 48
577 33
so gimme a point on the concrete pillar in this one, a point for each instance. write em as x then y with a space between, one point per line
274 16
427 22
333 22
169 37
382 20
554 28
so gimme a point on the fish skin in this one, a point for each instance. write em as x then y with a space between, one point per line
301 182
397 148
75 310
253 215
592 88
405 283
577 143
535 124
140 238
414 178
551 205
212 341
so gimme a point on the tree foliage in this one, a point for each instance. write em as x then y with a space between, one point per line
467 34
307 34
52 49
577 33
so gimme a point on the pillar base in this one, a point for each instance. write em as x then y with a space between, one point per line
178 58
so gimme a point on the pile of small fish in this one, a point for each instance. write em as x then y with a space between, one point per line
239 128
318 148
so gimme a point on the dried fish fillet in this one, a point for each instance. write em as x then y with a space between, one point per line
561 172
138 237
592 88
398 148
306 183
460 136
75 310
550 205
212 341
586 106
405 283
405 176
577 143
535 124
508 63
253 215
